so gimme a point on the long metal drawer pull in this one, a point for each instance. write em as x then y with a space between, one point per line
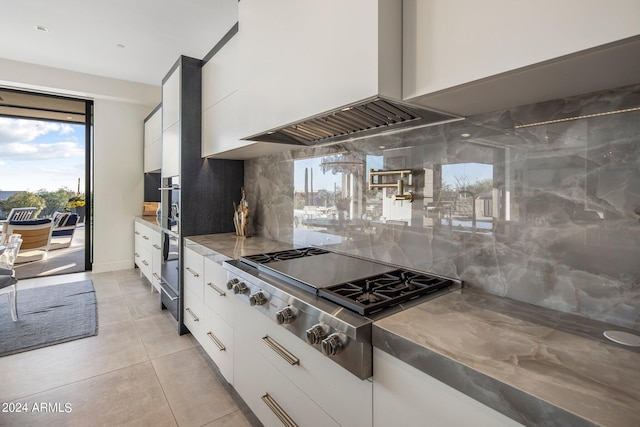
278 411
215 288
195 274
145 262
137 232
156 276
195 318
280 350
145 237
216 341
137 255
155 245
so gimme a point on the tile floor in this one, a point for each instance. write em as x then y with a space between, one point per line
136 372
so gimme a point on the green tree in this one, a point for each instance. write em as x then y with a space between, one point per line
55 200
25 199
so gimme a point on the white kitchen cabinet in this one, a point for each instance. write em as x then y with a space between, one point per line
171 151
208 311
194 272
266 390
324 55
220 74
344 397
145 252
171 99
448 53
223 122
171 102
406 396
153 141
156 259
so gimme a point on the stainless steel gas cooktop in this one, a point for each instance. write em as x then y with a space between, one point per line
330 300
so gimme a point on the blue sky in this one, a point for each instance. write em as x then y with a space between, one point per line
37 154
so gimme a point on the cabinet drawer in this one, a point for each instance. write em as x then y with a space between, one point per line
334 389
269 394
156 258
217 341
194 314
193 272
216 294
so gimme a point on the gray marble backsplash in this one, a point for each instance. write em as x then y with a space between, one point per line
538 203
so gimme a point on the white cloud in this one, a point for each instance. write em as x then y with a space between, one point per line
56 150
20 130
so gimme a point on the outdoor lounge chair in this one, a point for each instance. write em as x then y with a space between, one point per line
18 214
36 237
64 228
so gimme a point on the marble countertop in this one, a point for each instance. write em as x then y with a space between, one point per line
535 365
224 246
150 220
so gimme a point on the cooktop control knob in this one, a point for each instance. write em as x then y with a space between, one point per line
317 333
231 282
333 344
239 288
285 316
257 299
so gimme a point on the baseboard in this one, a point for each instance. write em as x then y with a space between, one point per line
104 267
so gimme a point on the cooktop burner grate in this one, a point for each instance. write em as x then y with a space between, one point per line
369 295
267 258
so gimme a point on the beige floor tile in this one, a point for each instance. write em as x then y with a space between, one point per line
193 392
143 304
116 346
127 397
234 419
112 310
160 337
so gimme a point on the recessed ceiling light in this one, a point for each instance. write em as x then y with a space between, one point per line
42 28
69 117
465 135
382 147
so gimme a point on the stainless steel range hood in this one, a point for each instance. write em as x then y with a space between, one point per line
365 118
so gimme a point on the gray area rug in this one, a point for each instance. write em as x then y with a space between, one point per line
48 315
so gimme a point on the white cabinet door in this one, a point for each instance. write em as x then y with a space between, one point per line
194 272
221 127
171 150
220 74
216 294
218 343
153 142
171 99
269 394
405 396
445 44
156 258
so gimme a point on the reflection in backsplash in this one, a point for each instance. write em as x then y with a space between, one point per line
547 214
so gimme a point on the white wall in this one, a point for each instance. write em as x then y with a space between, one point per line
118 183
119 111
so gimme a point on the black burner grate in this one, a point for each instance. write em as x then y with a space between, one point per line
372 294
267 258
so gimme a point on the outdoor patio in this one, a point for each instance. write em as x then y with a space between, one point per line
58 261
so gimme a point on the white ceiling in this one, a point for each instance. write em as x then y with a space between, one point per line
83 35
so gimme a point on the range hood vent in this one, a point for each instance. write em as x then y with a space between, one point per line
371 116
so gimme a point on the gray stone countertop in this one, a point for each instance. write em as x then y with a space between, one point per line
150 220
538 366
224 246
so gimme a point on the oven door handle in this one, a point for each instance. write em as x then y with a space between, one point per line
165 292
